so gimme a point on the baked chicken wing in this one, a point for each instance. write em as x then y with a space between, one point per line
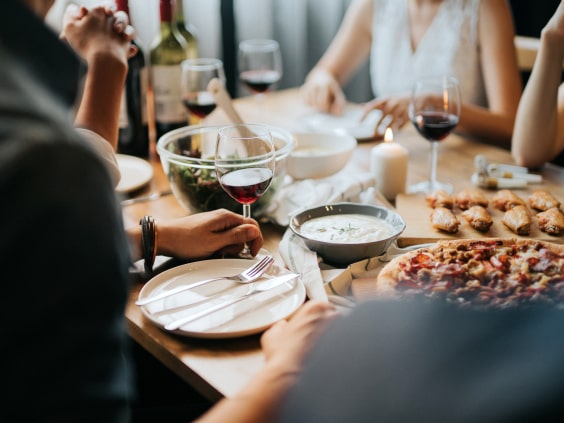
470 197
551 221
518 220
444 219
478 218
506 199
542 201
440 198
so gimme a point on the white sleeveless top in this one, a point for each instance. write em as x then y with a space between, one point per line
449 47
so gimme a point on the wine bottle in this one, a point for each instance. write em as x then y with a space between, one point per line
133 136
168 50
186 31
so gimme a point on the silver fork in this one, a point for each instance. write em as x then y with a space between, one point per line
249 275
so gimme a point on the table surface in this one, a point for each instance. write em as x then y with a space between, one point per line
218 368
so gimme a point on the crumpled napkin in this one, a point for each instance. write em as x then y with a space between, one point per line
344 186
297 256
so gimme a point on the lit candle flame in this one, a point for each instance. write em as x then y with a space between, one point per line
388 135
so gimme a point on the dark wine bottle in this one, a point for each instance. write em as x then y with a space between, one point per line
188 32
168 50
133 120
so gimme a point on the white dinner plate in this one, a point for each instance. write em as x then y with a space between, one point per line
135 172
348 122
252 315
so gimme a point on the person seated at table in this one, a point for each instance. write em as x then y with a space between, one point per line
66 256
538 136
472 40
422 362
98 119
404 361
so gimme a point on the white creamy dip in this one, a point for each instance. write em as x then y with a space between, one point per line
307 151
347 228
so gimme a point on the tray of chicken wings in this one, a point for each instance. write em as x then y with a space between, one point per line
480 213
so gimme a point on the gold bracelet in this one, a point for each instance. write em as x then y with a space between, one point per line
149 242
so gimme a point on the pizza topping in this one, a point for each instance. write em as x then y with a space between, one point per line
485 273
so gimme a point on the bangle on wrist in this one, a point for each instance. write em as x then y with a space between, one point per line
149 242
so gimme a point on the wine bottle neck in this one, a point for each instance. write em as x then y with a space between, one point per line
123 5
166 11
179 11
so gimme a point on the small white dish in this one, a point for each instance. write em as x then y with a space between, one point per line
135 173
252 315
347 123
318 154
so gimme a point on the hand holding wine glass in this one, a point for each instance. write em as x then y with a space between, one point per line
244 164
434 110
260 65
195 77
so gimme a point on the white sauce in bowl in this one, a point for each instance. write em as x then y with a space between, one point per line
347 228
312 151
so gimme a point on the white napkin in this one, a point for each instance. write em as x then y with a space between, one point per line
300 259
344 186
297 256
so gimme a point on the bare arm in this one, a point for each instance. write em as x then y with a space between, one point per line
285 346
501 77
346 53
92 33
539 128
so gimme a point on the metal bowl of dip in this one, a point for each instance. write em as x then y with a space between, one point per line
345 233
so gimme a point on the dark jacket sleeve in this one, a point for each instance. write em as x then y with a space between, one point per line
64 287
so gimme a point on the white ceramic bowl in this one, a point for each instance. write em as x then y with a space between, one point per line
318 155
344 252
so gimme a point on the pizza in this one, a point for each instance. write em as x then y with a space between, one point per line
488 273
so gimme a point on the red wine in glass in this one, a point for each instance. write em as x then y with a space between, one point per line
245 161
247 185
434 110
435 126
201 105
259 81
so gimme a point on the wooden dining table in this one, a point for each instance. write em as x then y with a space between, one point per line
221 367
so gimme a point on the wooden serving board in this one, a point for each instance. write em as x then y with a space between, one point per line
416 213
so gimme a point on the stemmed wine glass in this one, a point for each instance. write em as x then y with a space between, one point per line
244 164
434 110
195 77
260 65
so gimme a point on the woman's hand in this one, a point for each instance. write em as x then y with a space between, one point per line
395 111
98 32
201 235
322 91
287 343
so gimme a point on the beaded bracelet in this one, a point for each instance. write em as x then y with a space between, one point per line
149 242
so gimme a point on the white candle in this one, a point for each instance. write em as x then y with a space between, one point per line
388 163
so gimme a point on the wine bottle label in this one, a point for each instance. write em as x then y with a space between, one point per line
166 89
123 119
123 112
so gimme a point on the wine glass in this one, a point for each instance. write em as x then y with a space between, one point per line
434 110
244 164
260 65
195 77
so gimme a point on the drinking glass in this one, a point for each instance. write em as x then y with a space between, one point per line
434 110
260 65
195 77
244 164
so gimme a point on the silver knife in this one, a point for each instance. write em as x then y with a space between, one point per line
255 288
148 197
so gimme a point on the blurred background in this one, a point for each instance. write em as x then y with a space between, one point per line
304 29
